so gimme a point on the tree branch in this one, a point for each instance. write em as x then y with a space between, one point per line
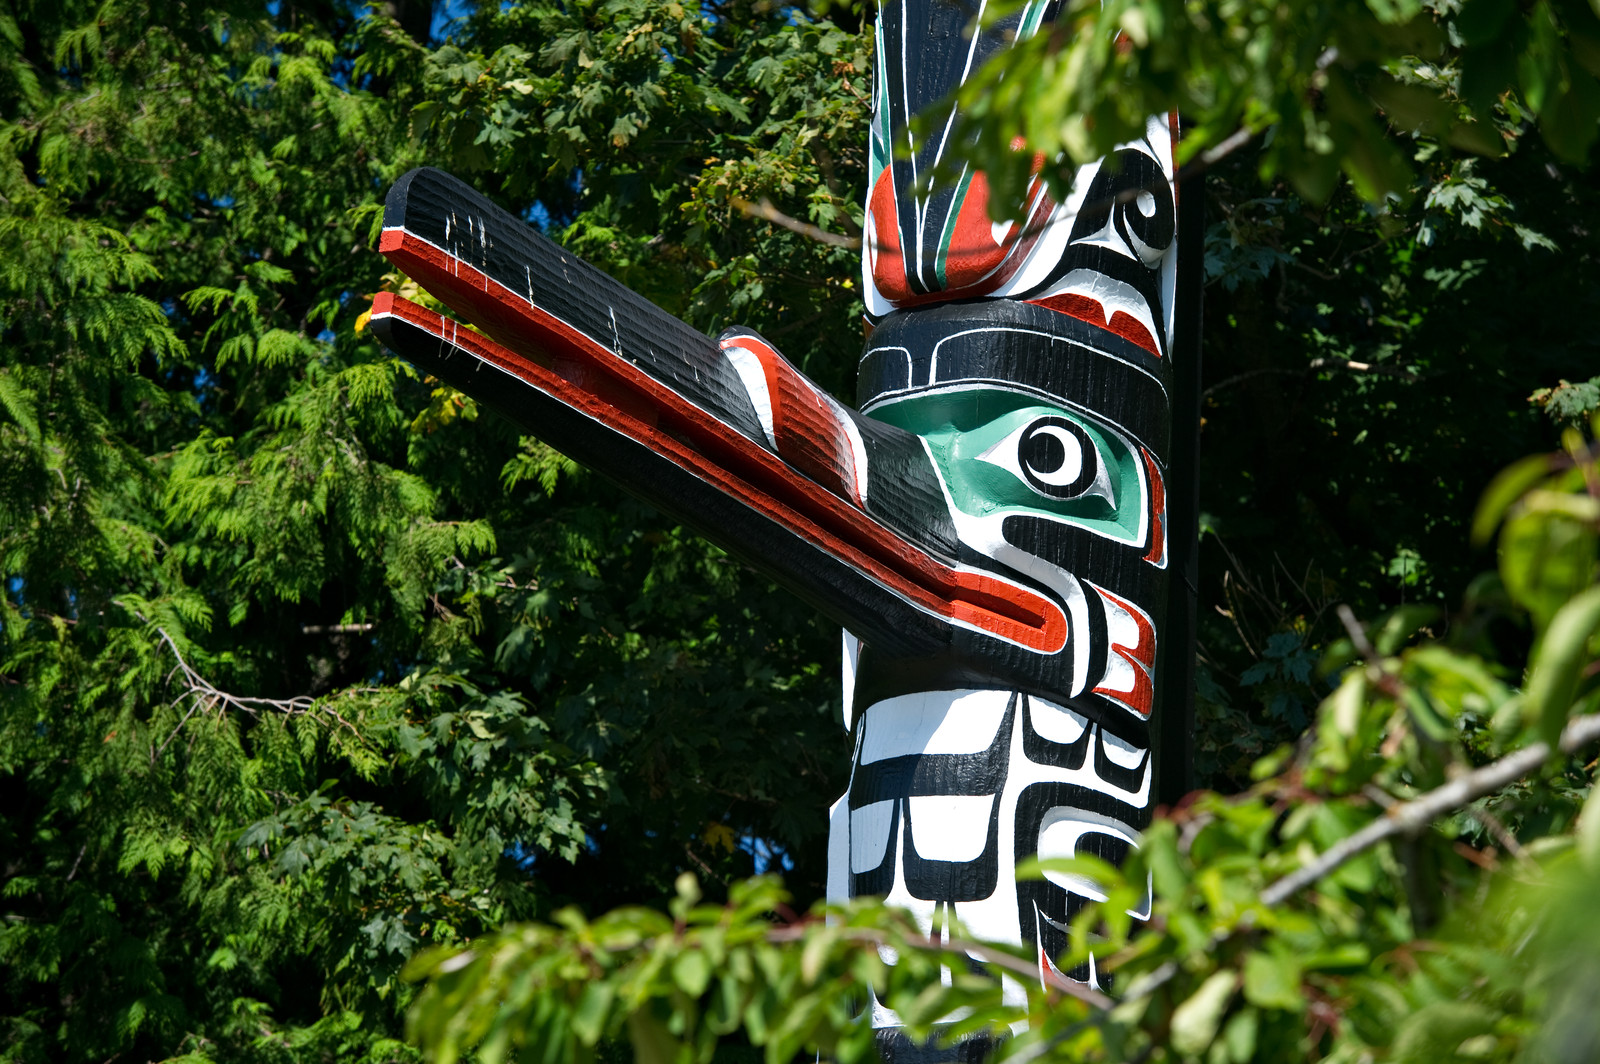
1400 818
993 956
765 210
1215 154
1408 818
204 695
1312 367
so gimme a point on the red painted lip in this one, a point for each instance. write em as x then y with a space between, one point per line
575 369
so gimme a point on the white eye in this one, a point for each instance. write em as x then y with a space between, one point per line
1055 457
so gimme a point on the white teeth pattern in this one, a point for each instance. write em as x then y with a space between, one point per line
1056 724
869 835
1104 784
1121 752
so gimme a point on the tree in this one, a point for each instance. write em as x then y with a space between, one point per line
305 666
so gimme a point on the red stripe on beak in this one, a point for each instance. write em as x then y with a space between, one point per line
556 359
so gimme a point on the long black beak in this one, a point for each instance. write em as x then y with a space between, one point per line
724 435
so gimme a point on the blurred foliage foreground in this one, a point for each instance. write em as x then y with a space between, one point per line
308 672
1302 919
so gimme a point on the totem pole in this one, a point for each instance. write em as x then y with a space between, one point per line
1003 526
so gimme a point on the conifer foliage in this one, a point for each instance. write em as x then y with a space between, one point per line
303 664
306 667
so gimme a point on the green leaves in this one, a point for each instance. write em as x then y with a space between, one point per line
420 695
676 987
1324 80
1272 981
1561 662
1195 1021
445 683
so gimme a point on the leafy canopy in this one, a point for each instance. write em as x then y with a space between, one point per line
305 666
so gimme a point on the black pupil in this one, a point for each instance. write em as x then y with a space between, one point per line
1043 452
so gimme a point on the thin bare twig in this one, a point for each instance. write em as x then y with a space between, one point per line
765 210
699 861
985 953
195 704
1216 153
1358 634
1502 834
1313 366
1400 818
1408 818
204 695
248 703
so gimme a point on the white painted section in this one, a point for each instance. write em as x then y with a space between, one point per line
1121 752
948 827
1006 454
1119 675
1112 295
754 378
877 305
933 722
850 657
869 835
1055 723
1058 837
1000 230
838 884
927 724
1160 137
1121 627
1052 243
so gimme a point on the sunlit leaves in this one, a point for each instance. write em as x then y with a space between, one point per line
1325 80
492 685
1548 548
674 985
412 640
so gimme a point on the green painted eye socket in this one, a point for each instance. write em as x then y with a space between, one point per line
1003 452
1056 457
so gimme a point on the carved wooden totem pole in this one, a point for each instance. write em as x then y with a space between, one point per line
1003 525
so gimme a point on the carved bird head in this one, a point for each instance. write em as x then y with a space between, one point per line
992 516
